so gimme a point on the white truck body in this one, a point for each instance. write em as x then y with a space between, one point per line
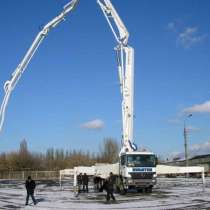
138 170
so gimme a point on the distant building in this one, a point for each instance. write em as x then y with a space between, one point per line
200 160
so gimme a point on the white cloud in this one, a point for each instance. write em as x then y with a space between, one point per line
171 26
200 149
190 37
186 36
198 108
93 124
175 25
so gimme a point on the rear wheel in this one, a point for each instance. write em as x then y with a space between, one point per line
148 189
123 191
120 186
140 190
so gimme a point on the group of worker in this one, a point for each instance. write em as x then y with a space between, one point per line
82 181
100 184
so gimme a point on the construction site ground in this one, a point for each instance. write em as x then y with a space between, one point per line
169 193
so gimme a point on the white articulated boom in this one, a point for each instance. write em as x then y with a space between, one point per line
136 169
125 60
10 84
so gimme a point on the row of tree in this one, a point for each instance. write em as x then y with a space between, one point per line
56 159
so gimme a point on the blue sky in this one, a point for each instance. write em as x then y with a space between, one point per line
71 85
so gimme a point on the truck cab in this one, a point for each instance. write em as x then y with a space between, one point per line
138 170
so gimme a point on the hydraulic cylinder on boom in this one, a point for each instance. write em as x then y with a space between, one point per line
16 75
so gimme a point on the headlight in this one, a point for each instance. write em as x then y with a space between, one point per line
154 175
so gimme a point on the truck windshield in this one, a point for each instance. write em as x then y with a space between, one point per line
141 160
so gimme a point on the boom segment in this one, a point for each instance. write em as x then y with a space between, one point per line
125 61
16 75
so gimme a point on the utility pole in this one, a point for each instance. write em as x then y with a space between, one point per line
186 141
185 145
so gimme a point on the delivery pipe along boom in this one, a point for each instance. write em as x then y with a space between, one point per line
16 75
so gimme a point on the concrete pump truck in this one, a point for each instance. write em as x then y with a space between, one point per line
135 169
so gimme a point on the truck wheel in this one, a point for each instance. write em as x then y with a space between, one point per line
140 190
148 189
123 191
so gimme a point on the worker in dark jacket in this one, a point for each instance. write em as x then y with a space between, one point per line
79 182
97 183
85 181
109 187
30 186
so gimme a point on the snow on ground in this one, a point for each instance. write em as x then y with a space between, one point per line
169 193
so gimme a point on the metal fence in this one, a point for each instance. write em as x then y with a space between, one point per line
22 175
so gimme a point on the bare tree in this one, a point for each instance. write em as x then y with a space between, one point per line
109 151
56 159
25 159
3 162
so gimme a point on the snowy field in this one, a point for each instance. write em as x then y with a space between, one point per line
169 193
